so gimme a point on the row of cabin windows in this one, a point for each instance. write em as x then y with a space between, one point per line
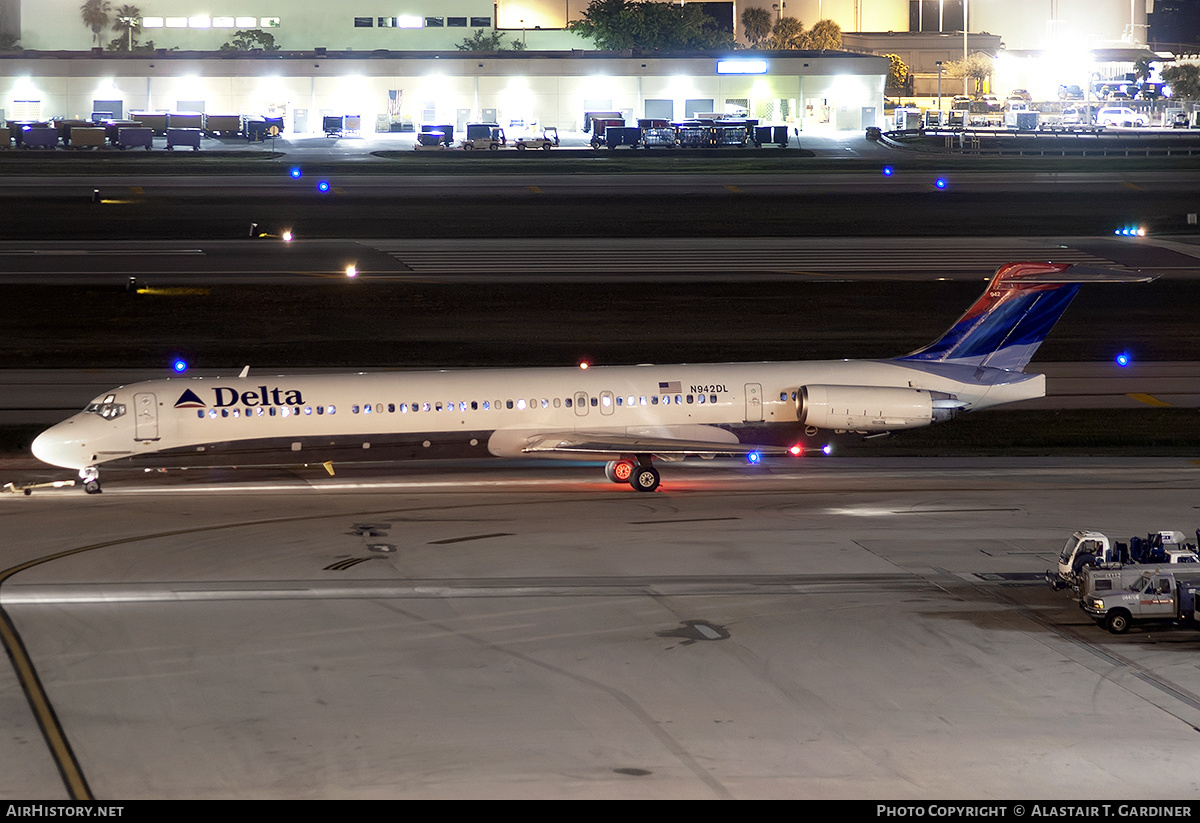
417 22
520 404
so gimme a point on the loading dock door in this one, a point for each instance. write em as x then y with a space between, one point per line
660 110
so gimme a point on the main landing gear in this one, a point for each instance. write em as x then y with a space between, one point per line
90 475
639 474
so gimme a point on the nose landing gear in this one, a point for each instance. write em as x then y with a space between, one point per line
90 475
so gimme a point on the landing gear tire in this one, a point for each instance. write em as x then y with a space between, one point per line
645 479
618 471
92 486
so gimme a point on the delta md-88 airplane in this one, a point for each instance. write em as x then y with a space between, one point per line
627 416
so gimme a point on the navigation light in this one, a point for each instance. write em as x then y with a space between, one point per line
796 450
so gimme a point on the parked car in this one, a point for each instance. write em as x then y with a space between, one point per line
1074 116
1120 116
1022 94
1071 92
992 102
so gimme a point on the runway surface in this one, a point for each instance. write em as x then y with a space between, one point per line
566 260
828 628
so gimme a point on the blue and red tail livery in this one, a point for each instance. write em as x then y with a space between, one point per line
1012 317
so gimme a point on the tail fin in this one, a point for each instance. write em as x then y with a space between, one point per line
1008 322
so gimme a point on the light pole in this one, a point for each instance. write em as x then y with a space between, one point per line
939 65
966 77
779 7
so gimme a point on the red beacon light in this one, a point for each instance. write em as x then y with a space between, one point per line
796 450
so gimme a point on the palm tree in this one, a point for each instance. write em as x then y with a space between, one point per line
788 33
95 15
756 25
127 20
825 34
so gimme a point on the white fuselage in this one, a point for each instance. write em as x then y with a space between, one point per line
313 418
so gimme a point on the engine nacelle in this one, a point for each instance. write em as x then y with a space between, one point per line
872 408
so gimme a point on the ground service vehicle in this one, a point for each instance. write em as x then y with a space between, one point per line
484 136
1120 116
1153 596
600 126
546 141
1087 549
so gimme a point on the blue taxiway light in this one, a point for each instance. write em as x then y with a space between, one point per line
296 173
179 366
940 182
1123 359
323 186
888 171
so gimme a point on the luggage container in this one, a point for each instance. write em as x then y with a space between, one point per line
226 125
39 137
663 136
132 137
155 120
262 128
332 125
183 137
112 128
64 129
693 135
87 138
622 136
430 141
771 136
185 120
726 133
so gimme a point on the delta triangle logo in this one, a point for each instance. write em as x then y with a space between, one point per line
189 400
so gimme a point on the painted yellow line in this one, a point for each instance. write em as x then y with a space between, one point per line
137 190
734 189
338 190
534 189
1149 400
39 703
1133 186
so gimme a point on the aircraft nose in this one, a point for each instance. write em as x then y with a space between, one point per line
58 447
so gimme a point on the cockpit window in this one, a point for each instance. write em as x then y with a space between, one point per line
108 408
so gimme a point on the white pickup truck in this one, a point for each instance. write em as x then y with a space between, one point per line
1153 596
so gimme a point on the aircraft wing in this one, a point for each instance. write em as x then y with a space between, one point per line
584 443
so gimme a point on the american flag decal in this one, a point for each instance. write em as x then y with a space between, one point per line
670 387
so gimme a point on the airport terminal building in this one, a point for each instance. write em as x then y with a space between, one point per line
396 66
